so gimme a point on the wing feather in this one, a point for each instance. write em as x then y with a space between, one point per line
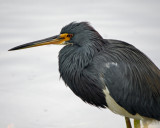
134 82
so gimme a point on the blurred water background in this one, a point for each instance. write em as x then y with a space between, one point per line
31 93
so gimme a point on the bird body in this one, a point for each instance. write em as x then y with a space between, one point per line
107 73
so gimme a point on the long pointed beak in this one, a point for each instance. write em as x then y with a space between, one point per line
51 40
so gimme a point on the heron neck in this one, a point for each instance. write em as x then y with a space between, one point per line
73 62
74 59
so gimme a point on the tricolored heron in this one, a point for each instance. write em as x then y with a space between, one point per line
107 73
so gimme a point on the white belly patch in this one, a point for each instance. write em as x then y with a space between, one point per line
117 109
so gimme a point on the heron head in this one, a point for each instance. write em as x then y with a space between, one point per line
72 34
83 33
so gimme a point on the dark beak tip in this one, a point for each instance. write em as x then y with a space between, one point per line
12 49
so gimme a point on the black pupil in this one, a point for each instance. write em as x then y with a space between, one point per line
68 35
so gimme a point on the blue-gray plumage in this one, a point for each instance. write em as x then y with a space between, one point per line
105 72
134 83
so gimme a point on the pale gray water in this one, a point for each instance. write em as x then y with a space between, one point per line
31 94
